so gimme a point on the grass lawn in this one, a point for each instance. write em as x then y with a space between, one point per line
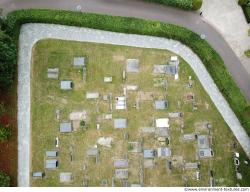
108 60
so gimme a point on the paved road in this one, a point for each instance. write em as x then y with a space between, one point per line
31 33
139 9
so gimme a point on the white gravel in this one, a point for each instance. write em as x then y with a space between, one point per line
31 33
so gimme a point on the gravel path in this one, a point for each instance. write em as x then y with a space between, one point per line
31 33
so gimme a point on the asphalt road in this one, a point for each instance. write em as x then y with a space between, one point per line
139 9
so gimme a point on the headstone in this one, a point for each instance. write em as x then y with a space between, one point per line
58 114
123 75
97 126
239 176
125 136
107 79
104 183
105 98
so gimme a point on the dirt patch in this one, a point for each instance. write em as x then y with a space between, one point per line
118 57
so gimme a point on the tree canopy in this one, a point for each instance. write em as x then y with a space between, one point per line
5 133
7 60
4 179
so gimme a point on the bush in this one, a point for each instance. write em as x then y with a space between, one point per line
245 4
7 60
183 4
247 53
197 4
4 179
2 108
5 133
244 169
210 58
246 10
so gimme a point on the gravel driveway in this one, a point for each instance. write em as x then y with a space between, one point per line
31 33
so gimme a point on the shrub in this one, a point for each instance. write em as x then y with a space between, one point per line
197 4
2 108
4 179
244 169
7 60
5 133
243 2
246 10
83 125
210 58
247 53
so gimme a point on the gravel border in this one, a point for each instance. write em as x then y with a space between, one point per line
31 33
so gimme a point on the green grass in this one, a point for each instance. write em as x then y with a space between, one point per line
110 60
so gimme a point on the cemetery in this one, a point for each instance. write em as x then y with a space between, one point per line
106 115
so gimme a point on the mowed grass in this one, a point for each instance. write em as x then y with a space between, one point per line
109 60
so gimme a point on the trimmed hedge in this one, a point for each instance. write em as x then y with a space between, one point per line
210 58
197 4
247 53
243 2
183 4
245 5
246 10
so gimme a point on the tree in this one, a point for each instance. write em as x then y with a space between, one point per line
7 60
2 108
197 4
5 133
1 17
4 179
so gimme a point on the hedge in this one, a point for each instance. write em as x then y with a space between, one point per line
210 58
245 4
247 53
246 10
183 4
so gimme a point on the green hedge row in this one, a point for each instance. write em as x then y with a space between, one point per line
245 4
183 4
246 10
207 54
